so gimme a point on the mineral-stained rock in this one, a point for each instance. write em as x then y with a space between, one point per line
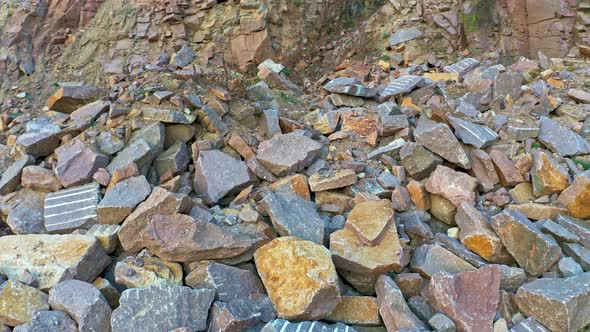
537 211
430 259
76 163
442 209
561 140
120 200
393 307
281 325
69 98
49 321
11 178
369 220
469 298
110 293
477 234
328 181
559 304
576 198
172 162
145 271
459 249
418 161
533 251
72 208
547 176
51 258
507 172
83 302
106 235
160 201
419 195
162 308
218 175
438 138
138 152
292 215
40 178
457 187
289 153
200 240
299 277
18 303
471 133
356 310
351 253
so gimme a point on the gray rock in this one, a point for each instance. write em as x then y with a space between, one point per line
474 134
511 278
508 83
418 161
559 232
420 306
388 180
559 304
70 209
37 144
183 57
168 115
404 35
211 120
26 217
579 254
350 86
49 321
401 85
459 249
271 123
462 67
5 158
529 325
162 308
109 143
83 302
438 138
393 307
579 227
84 117
292 215
288 153
561 140
430 259
568 267
106 235
392 148
281 325
122 198
172 161
138 152
11 178
442 323
218 175
76 163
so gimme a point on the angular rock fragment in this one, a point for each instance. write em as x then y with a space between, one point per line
183 57
568 267
49 321
299 277
457 187
145 271
438 138
271 123
172 162
578 253
106 235
575 197
471 133
404 35
76 163
430 259
37 144
19 302
11 178
442 323
51 258
292 215
335 180
393 307
40 178
260 171
534 251
507 84
369 220
401 85
559 304
168 115
559 232
121 199
162 308
547 176
462 67
69 98
83 117
561 140
579 227
356 310
138 152
418 161
281 325
537 211
83 302
507 172
71 209
468 298
391 148
289 153
350 86
218 175
26 216
527 325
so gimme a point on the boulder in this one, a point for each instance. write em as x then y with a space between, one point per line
288 153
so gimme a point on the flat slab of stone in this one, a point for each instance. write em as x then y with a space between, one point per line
561 140
49 321
474 134
393 307
69 98
168 115
401 85
71 209
404 35
121 199
11 178
332 180
429 259
287 154
438 138
162 308
282 325
462 67
52 258
19 302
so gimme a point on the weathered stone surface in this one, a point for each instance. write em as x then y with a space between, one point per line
527 325
200 240
287 154
533 251
473 134
559 232
430 259
183 57
162 308
369 220
83 302
160 201
281 325
120 200
76 163
547 176
106 235
172 162
457 187
37 144
49 321
292 215
559 304
561 140
463 66
69 98
442 323
507 84
579 227
18 303
168 115
469 298
51 258
401 85
332 180
145 271
418 161
392 148
299 277
568 267
578 253
11 178
72 208
442 209
110 143
507 172
218 175
39 178
576 198
483 169
350 86
84 116
356 310
438 138
477 234
537 211
393 307
404 35
26 216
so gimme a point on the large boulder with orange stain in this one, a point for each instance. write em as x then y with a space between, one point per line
576 198
299 277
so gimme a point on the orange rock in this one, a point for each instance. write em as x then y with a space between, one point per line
250 49
296 183
299 277
537 211
548 177
333 198
356 310
367 127
369 219
419 195
237 143
442 76
576 198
